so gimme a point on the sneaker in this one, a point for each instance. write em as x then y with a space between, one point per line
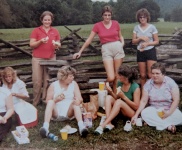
43 132
84 132
139 122
98 131
128 126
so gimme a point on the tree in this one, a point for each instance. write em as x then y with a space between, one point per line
125 10
152 7
175 14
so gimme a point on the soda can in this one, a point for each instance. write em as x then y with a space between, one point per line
52 137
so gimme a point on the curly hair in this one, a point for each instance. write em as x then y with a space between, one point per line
64 71
7 71
143 12
128 72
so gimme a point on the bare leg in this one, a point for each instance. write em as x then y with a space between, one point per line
143 73
119 105
149 64
50 111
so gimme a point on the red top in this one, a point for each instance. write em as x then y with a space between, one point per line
107 35
45 50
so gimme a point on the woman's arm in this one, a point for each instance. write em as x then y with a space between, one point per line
143 102
10 108
136 99
136 40
35 43
121 38
77 95
175 97
85 45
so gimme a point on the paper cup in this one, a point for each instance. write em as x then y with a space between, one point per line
101 86
160 112
64 134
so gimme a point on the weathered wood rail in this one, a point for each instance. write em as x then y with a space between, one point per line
169 52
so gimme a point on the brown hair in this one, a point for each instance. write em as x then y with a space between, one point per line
159 66
64 71
45 13
107 8
6 71
128 72
142 12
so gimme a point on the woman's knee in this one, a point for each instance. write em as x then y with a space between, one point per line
109 100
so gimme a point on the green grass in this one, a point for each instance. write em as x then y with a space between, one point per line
127 29
146 137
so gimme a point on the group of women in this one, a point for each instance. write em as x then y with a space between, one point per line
131 100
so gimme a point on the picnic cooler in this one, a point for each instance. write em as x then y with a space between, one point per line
27 125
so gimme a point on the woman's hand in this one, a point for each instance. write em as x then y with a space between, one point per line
3 120
144 38
166 114
133 119
76 101
121 95
59 98
76 55
108 88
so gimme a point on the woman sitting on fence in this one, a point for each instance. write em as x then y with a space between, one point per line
112 42
160 92
26 112
6 111
126 99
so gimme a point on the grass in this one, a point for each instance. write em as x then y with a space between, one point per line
140 137
127 29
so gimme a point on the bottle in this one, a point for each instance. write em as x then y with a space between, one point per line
52 137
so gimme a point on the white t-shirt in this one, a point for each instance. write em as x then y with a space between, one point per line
4 93
149 32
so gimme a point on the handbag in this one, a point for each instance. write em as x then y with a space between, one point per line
92 106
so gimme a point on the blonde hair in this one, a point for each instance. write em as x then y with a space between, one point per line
64 71
6 71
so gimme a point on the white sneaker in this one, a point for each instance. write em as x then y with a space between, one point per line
103 118
128 126
139 122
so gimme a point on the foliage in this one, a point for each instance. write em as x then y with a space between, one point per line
152 7
175 14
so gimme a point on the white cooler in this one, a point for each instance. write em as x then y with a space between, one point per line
101 96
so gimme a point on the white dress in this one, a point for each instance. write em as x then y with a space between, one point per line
63 106
26 112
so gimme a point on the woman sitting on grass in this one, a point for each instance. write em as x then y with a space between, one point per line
6 111
160 92
26 112
63 101
126 100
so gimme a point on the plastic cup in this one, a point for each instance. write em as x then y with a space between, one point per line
64 134
160 112
101 86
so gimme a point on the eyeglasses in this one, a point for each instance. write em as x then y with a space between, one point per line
143 17
105 15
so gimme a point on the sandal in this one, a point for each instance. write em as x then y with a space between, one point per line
108 127
98 131
172 129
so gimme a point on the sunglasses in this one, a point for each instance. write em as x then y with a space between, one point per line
143 17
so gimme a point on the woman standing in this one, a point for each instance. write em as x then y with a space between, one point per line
112 44
26 112
44 40
6 111
126 100
145 35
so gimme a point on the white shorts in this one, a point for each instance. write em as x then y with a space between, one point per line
112 50
62 109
